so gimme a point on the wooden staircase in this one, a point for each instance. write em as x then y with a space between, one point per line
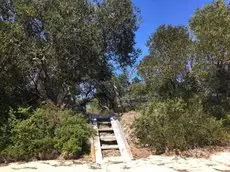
109 136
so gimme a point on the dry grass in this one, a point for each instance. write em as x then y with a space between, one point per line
126 121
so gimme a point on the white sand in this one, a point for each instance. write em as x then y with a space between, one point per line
217 162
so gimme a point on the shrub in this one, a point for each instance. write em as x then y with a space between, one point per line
4 136
6 125
72 134
174 124
46 134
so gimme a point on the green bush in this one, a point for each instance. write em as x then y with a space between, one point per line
174 124
4 135
6 126
46 134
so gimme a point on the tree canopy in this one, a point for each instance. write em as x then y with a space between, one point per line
184 61
169 52
210 26
50 49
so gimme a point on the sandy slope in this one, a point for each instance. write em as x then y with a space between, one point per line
217 162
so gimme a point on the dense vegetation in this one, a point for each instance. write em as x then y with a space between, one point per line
187 76
62 53
59 59
173 124
44 134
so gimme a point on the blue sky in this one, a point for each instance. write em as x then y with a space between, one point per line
157 12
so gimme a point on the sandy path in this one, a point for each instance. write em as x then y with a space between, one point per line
216 163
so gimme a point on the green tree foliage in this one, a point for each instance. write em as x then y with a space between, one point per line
109 93
122 84
52 47
46 133
210 26
185 64
169 49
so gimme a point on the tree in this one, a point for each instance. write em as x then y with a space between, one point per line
165 66
57 46
210 25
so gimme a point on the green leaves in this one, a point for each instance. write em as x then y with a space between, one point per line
45 134
201 55
170 51
57 45
174 124
169 48
211 27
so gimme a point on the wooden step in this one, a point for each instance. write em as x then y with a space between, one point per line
104 122
103 118
106 147
108 138
105 129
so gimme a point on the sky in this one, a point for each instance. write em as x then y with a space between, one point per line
157 12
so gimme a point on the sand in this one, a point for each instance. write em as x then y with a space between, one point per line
216 163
